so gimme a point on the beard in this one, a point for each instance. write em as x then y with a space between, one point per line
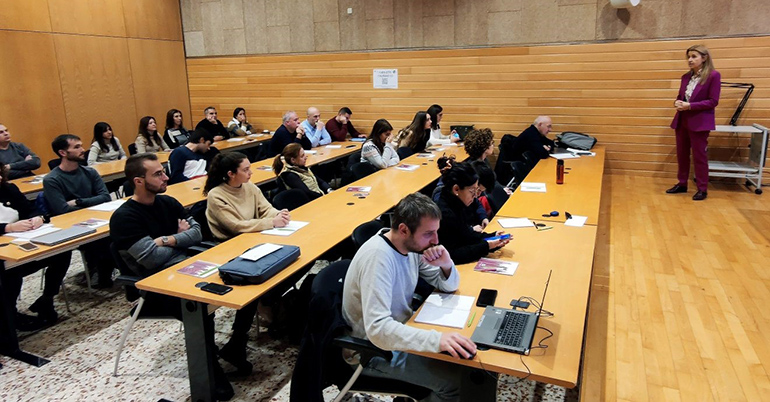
412 246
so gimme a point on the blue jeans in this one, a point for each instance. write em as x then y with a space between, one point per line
440 377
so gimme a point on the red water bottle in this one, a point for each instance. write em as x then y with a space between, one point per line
559 171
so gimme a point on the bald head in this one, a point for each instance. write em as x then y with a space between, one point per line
313 115
543 124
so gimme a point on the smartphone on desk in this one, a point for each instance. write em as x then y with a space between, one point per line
216 288
487 297
501 237
27 246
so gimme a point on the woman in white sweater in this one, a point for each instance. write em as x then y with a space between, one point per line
105 147
378 149
436 113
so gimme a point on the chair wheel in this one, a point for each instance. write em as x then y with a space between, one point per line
758 191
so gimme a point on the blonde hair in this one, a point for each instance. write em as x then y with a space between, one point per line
708 66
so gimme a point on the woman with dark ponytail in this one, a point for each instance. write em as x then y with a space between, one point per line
235 204
290 166
461 185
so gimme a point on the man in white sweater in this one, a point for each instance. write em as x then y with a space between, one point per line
377 297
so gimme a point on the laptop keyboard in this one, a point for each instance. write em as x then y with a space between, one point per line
512 329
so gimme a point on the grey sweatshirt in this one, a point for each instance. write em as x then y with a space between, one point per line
378 291
14 156
83 183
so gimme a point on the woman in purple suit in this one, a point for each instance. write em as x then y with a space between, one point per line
694 119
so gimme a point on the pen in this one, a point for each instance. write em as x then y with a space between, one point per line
471 320
533 222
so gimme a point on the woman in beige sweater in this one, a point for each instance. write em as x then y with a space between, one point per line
235 205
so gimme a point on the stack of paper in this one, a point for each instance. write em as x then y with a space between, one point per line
532 187
576 220
334 146
42 230
108 206
287 230
564 156
260 251
515 223
199 269
407 167
311 152
496 266
236 139
445 309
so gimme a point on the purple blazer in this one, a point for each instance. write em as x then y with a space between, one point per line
705 97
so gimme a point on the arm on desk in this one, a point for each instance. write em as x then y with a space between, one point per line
151 256
97 184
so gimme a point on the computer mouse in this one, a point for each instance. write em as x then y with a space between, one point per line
461 355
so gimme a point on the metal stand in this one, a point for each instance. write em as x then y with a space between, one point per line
753 169
198 328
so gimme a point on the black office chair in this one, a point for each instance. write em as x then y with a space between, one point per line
364 232
354 158
362 169
198 212
497 197
320 363
128 279
54 163
290 199
404 152
131 149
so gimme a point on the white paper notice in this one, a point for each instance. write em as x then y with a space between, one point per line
576 221
563 156
448 310
42 230
236 139
532 187
515 223
581 152
311 152
385 79
108 206
287 230
260 251
334 146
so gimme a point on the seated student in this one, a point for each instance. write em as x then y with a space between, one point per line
314 129
534 140
148 139
70 187
16 157
482 215
436 113
188 161
290 167
175 134
235 205
289 132
239 126
457 220
415 136
377 149
340 126
18 214
152 232
377 299
211 124
105 147
479 144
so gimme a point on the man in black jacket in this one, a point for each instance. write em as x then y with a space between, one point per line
534 139
213 125
290 131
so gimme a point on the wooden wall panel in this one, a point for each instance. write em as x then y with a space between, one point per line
91 17
622 93
159 79
97 85
27 15
153 19
32 107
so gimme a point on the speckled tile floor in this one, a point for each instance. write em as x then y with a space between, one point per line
81 348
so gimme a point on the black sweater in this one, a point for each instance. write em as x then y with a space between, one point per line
11 197
456 234
214 129
531 140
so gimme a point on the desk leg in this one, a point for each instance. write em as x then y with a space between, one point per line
9 342
478 385
198 328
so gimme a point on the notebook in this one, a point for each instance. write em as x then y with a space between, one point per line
446 310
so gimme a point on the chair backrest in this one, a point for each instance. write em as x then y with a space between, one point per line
290 199
120 262
198 212
404 152
354 158
132 149
497 197
362 169
53 163
42 205
364 232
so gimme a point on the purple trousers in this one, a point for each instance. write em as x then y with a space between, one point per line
698 142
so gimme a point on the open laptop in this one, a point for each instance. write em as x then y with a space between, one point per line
60 236
508 330
462 131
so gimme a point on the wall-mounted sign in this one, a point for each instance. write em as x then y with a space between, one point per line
387 79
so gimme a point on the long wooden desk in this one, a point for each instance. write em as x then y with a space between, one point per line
332 218
238 143
568 251
579 195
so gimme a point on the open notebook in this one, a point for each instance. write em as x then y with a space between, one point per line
445 309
